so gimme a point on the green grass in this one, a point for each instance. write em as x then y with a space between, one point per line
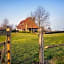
24 48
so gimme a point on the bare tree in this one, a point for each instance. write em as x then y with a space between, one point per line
5 23
32 15
11 26
41 15
33 19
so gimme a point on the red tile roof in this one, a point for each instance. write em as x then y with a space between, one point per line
29 22
1 28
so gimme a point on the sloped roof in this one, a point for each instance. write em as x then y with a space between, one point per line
29 22
1 28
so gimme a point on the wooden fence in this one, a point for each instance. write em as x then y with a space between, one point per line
41 46
5 53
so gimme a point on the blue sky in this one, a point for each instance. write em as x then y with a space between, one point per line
16 10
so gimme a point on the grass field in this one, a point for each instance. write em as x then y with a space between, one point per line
24 48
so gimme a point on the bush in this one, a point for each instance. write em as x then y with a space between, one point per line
15 30
24 32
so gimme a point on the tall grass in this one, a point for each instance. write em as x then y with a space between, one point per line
24 48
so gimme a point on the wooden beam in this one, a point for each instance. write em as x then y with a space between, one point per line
2 43
41 46
52 46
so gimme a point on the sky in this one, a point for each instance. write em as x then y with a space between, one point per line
17 10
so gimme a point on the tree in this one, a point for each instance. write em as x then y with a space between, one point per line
5 23
41 15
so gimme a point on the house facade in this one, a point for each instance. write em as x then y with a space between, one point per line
27 25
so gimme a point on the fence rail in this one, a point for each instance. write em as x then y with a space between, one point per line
52 46
2 43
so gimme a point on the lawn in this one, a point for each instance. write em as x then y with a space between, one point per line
24 48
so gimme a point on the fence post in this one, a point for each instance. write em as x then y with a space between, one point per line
0 56
8 45
3 54
41 46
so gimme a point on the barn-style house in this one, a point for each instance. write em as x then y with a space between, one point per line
28 25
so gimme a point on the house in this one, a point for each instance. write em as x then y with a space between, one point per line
2 31
27 25
1 28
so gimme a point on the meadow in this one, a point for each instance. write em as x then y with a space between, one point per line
24 48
